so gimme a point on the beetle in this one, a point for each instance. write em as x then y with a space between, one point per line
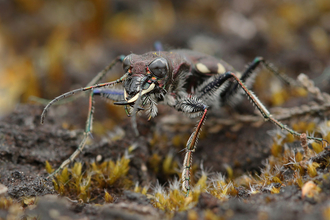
189 81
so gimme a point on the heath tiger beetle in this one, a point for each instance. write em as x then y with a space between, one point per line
190 82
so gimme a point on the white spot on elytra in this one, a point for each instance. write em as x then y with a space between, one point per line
221 68
202 68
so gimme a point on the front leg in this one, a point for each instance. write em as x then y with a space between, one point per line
192 107
110 94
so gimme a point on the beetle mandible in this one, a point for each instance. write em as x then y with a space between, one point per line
190 82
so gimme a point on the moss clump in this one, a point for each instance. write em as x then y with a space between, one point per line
174 199
271 178
98 178
5 202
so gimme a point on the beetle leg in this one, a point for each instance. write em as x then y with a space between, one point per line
248 78
191 106
88 129
190 148
112 94
263 110
208 90
101 74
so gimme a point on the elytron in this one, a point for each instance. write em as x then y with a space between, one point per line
190 82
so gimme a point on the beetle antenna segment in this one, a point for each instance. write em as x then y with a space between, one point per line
71 93
94 81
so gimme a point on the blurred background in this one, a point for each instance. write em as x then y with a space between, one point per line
49 47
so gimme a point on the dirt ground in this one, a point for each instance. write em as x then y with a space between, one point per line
26 146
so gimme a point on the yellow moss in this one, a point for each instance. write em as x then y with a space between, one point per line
118 170
154 162
192 215
5 203
299 156
317 147
131 148
299 91
108 198
279 97
276 150
144 190
15 210
49 168
276 180
84 190
177 141
169 166
327 137
326 213
298 180
55 185
175 200
64 176
222 190
27 201
244 180
290 138
139 189
304 126
153 141
76 170
209 215
311 169
230 171
74 182
202 183
61 189
275 190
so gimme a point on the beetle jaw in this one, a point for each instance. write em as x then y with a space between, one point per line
131 100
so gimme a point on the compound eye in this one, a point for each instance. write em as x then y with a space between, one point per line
159 67
127 63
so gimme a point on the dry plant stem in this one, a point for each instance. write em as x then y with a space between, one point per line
312 89
304 144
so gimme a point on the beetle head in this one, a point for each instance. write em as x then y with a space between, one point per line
147 74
